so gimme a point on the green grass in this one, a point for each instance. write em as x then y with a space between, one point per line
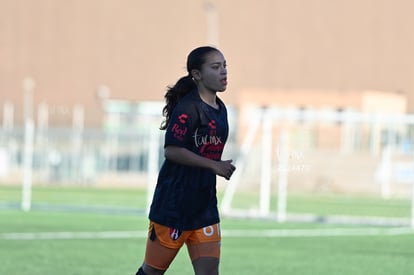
334 204
348 205
91 196
240 255
381 254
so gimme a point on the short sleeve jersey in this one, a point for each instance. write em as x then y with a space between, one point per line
185 196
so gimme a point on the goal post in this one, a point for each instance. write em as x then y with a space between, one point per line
275 135
28 89
240 163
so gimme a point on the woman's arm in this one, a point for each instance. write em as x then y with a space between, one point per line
184 156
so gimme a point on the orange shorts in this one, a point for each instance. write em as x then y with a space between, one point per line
164 243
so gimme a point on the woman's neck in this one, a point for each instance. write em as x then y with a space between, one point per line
209 98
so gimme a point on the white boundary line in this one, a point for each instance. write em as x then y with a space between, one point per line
243 233
286 233
74 235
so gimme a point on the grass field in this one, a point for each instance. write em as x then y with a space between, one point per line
86 231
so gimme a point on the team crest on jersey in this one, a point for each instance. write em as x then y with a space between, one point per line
175 234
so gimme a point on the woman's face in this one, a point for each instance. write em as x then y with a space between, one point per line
213 73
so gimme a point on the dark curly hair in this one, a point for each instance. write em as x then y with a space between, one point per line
185 84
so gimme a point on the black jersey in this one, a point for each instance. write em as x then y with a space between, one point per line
185 196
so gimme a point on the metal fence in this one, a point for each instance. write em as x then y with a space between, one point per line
281 152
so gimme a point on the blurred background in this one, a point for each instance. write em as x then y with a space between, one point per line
320 95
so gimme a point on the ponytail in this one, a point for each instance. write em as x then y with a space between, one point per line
183 86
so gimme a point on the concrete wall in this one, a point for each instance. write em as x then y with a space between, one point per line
138 47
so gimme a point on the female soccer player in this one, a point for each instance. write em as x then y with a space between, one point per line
184 207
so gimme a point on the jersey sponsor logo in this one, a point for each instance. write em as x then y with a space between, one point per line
179 132
211 146
182 118
212 124
212 151
200 140
175 234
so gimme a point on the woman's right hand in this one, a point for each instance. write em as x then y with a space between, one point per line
224 168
